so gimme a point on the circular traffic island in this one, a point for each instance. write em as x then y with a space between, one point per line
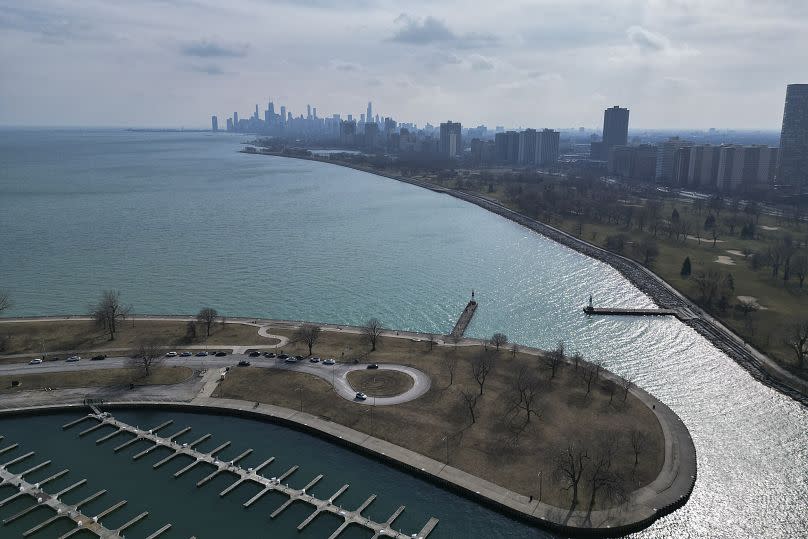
380 382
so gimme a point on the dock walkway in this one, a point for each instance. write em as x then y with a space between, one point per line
465 319
273 484
680 313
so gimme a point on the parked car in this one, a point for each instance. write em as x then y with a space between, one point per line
373 366
243 363
290 360
283 356
186 354
314 359
73 359
299 358
328 361
171 354
269 354
201 354
255 353
35 361
99 357
221 354
361 396
54 358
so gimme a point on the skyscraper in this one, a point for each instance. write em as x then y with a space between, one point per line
793 155
615 128
369 115
547 150
235 121
283 115
214 123
450 143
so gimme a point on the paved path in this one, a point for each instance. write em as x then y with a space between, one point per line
333 374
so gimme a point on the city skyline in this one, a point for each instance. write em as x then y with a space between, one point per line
676 65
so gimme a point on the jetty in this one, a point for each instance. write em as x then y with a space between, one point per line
465 319
61 510
242 475
681 314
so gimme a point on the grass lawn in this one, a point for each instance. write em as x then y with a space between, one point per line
499 446
380 383
95 378
84 336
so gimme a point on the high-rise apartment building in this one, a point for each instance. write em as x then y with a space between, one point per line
369 114
547 150
666 155
450 143
615 127
214 123
793 155
528 142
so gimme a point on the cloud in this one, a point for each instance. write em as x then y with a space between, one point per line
429 30
647 40
480 63
340 65
209 69
56 27
210 49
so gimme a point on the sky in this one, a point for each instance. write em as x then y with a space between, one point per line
174 63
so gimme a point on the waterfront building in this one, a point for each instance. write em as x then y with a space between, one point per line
501 147
235 121
230 124
369 114
615 127
793 155
746 168
513 147
214 123
702 170
547 149
450 142
528 142
633 162
666 154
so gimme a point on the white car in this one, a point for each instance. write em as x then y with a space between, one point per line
73 359
328 361
171 354
290 360
35 361
361 396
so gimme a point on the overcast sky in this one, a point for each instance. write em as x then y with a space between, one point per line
674 63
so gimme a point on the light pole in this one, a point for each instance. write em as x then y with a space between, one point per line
540 478
446 439
300 390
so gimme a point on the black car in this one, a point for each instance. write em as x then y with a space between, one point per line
299 358
269 354
220 354
243 363
373 366
98 357
283 356
255 353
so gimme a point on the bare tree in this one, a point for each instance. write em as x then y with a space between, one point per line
307 334
430 337
109 310
577 359
5 301
207 317
470 399
499 339
601 477
190 330
514 349
480 368
588 375
147 355
639 442
626 384
527 388
568 467
554 358
798 342
799 266
371 332
451 365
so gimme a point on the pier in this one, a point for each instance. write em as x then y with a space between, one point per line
272 484
465 319
61 510
681 314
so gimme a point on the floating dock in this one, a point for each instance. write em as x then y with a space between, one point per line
60 509
273 484
465 319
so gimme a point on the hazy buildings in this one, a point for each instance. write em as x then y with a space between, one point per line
214 123
615 133
450 143
793 166
725 168
633 162
666 154
547 150
528 142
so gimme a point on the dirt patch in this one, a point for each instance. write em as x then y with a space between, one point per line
770 228
723 259
736 253
380 383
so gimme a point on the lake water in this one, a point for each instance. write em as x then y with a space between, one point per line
178 221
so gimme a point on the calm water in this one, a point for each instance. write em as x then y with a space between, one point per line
178 221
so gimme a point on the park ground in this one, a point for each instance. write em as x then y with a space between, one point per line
499 445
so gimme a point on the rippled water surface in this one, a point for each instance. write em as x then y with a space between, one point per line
177 221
